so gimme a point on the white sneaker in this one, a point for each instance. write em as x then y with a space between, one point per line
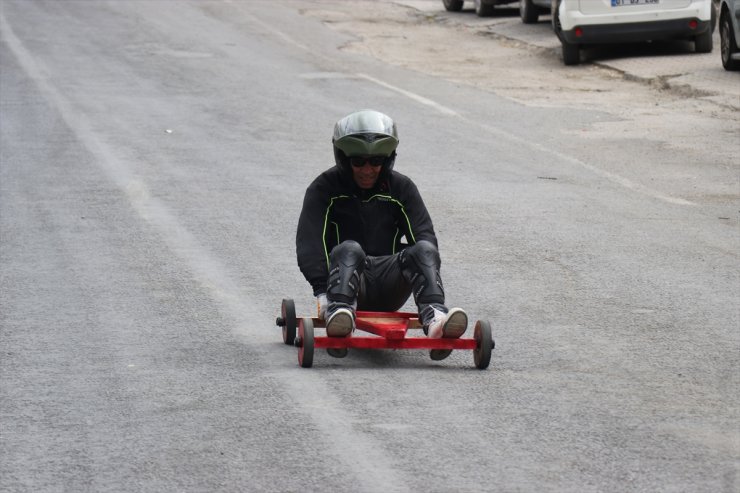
340 323
455 324
435 326
450 325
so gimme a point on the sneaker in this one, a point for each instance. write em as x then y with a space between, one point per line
432 316
450 325
341 320
442 323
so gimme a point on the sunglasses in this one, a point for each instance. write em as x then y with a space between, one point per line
359 161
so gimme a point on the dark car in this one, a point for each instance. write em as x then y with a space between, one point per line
729 33
483 8
530 10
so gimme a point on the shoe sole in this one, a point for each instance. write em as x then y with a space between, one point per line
340 325
454 328
456 324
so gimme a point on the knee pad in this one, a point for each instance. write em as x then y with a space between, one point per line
346 263
420 265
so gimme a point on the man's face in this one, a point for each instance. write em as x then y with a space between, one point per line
366 170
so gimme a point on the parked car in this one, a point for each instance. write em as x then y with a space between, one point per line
483 8
578 23
729 33
530 10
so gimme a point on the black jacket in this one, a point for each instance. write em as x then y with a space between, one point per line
336 210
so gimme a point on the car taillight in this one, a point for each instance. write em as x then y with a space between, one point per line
693 24
579 32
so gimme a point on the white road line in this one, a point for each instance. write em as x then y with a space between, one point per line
360 454
280 34
614 178
416 97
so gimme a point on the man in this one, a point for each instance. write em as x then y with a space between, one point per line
365 239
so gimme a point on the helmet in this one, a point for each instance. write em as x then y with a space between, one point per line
365 133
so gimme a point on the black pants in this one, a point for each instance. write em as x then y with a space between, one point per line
384 283
383 288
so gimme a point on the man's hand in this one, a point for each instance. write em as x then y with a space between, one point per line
321 304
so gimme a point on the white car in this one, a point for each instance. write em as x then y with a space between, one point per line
729 33
585 22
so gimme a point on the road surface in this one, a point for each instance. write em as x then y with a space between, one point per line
153 159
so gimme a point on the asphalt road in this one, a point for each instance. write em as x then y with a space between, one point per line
153 158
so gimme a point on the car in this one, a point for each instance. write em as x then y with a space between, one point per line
530 10
729 33
483 8
579 23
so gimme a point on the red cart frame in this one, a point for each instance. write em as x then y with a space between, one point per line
385 330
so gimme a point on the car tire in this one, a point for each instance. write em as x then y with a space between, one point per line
556 27
528 11
483 9
571 53
728 46
703 43
453 5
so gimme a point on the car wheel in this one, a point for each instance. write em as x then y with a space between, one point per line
703 42
571 53
528 11
453 5
728 46
483 9
556 19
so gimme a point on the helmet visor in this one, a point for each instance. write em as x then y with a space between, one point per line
366 133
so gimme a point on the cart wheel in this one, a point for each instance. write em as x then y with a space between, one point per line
287 310
484 340
305 343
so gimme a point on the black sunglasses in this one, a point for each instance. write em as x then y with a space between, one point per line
359 161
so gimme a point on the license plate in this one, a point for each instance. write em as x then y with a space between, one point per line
624 3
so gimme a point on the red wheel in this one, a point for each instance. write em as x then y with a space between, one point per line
305 343
484 344
287 311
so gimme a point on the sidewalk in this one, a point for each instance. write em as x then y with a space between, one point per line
672 66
